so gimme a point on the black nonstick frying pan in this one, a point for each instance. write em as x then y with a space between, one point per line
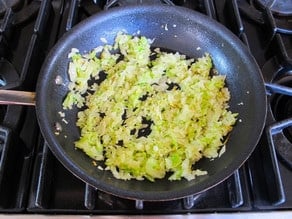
176 29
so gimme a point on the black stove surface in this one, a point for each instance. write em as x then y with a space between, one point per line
33 181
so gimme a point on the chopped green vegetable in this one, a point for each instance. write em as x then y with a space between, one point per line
149 116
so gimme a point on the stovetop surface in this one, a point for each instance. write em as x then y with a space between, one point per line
32 180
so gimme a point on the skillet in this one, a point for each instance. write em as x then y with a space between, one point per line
176 29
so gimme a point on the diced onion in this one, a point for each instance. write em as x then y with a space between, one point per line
180 107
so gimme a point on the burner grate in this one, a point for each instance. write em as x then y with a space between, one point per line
55 189
46 187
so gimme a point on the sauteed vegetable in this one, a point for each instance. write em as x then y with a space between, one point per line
149 113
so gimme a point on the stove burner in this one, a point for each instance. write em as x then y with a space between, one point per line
277 74
281 106
280 7
5 4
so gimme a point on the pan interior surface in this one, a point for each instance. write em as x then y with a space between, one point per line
175 29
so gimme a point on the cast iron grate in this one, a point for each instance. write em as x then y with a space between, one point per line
54 190
271 50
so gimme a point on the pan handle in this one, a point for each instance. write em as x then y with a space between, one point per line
14 97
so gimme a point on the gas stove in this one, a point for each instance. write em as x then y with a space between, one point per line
32 181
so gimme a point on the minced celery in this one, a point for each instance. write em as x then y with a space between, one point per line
180 106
